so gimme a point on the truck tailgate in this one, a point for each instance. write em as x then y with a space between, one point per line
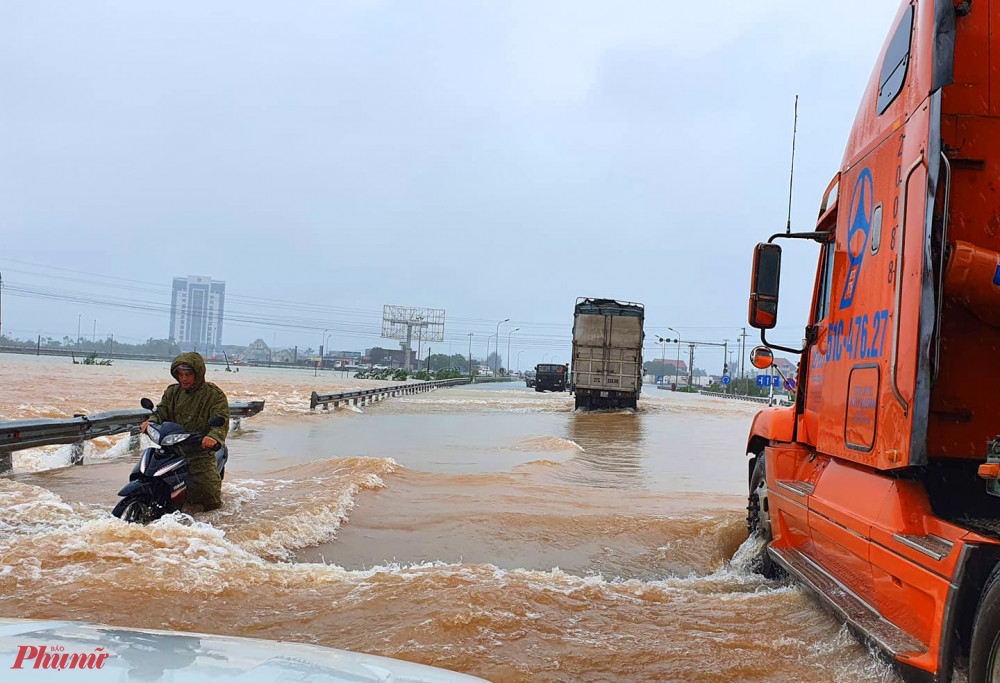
607 352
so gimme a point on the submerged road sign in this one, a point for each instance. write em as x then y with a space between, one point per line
726 380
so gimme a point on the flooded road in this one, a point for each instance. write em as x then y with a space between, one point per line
488 529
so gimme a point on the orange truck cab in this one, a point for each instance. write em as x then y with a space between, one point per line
878 489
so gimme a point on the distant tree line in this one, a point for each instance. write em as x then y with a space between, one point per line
107 346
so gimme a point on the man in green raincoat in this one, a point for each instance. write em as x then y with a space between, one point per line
190 403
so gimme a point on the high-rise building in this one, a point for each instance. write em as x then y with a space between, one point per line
196 309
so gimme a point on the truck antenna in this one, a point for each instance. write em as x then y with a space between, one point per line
791 175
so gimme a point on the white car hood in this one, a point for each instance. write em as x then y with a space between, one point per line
145 655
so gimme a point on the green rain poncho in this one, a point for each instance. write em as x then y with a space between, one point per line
192 408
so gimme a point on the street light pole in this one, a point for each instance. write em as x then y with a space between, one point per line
508 346
496 356
322 343
470 354
519 360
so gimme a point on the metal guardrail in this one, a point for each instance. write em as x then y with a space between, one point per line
368 396
18 435
749 399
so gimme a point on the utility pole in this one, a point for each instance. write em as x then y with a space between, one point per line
79 317
743 350
428 368
470 354
691 367
1 305
94 337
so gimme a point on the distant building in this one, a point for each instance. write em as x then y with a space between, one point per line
394 358
786 367
259 352
196 311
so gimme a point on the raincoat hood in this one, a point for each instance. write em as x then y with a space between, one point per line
194 359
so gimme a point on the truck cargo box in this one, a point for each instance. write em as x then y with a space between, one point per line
607 353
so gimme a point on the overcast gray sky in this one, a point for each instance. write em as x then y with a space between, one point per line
495 159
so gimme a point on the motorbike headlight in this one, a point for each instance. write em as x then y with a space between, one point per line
172 439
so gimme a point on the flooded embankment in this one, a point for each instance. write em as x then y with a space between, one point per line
489 529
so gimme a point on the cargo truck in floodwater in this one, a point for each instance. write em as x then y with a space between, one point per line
879 489
550 377
607 353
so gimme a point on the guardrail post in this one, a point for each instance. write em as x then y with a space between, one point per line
6 462
76 453
313 400
134 442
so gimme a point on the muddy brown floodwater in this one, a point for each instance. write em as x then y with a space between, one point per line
488 529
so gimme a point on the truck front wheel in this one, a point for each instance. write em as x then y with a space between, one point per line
759 520
984 656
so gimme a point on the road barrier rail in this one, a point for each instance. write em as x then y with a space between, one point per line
18 435
735 397
368 396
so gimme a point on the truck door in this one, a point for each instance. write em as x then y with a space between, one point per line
869 381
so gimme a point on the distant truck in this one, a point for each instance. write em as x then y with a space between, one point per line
550 377
607 353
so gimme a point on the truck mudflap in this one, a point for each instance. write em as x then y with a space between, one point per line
871 548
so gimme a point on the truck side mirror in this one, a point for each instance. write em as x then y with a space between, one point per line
764 286
761 358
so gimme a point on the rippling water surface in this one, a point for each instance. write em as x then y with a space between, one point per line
489 529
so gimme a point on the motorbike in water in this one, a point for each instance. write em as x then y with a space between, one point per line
158 483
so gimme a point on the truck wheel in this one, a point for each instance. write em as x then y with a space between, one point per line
759 520
984 656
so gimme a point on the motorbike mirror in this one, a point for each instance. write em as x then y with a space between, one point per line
761 358
146 403
216 421
764 286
